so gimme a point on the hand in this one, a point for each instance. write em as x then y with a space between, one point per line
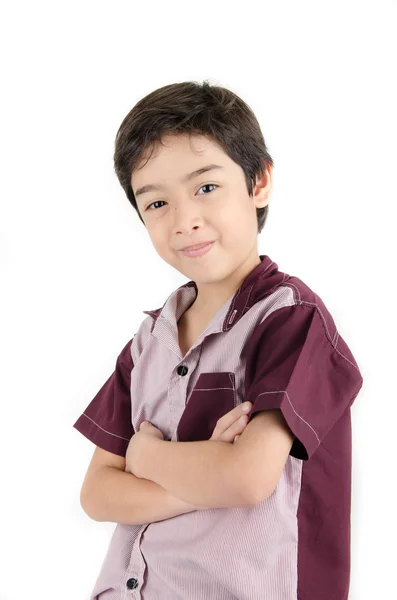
228 429
232 424
135 454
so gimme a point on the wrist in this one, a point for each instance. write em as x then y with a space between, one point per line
149 453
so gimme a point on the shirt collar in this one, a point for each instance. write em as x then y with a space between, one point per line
260 282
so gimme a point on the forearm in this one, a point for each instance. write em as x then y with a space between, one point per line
120 497
203 473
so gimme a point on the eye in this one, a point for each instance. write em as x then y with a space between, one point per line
149 205
203 186
206 185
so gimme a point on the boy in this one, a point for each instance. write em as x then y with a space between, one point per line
200 514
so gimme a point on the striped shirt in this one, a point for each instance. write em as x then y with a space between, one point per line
275 344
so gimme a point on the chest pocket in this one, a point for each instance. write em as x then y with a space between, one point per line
213 396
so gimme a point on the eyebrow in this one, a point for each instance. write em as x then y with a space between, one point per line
157 186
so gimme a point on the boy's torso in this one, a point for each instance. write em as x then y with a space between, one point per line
273 343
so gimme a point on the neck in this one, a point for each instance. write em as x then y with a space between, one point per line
211 296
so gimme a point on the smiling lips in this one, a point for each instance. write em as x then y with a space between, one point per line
198 249
196 246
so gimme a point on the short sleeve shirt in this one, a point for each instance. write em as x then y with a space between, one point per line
274 343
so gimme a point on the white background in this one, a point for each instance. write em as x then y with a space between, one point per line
78 268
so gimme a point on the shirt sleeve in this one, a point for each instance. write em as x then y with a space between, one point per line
107 419
293 365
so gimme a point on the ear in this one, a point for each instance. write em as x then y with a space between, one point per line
263 187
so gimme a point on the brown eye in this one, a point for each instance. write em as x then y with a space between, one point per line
155 202
206 185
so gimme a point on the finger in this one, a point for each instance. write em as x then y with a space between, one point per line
238 426
232 416
229 425
235 429
227 428
236 438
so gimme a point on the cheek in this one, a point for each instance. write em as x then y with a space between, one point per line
155 235
235 221
163 246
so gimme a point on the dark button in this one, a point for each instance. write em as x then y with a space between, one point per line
132 583
182 370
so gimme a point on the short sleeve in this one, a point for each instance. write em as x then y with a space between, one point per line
293 365
107 419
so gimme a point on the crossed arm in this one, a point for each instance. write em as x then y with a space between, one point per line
215 474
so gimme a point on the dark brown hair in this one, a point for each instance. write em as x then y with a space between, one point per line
192 108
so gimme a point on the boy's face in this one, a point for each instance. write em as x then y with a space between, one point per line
212 206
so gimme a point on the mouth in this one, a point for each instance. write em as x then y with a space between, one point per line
198 250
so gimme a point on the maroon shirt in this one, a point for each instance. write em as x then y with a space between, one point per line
274 343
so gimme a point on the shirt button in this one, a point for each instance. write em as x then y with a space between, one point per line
182 370
132 583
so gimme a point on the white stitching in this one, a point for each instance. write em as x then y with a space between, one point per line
232 381
285 392
288 283
328 334
248 297
232 317
211 389
119 436
277 308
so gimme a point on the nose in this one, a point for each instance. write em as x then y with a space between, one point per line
186 216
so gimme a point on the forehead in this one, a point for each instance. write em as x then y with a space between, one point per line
176 154
184 142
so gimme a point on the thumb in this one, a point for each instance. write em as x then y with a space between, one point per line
144 423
